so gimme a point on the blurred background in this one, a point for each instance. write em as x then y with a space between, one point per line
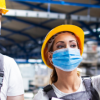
26 24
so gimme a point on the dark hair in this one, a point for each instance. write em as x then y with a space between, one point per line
54 76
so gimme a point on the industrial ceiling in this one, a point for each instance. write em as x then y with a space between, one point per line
22 35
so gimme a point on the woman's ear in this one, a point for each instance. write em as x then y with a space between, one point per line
50 57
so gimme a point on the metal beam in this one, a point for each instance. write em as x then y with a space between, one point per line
97 26
88 28
20 33
41 8
37 14
62 3
11 40
39 4
36 55
3 48
84 8
76 11
33 6
27 22
96 0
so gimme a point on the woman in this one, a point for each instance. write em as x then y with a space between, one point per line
62 50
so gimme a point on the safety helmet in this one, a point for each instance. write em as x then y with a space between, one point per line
79 33
3 6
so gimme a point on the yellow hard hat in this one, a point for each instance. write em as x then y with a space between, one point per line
79 33
3 6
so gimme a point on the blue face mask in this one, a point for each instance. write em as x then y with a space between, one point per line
66 59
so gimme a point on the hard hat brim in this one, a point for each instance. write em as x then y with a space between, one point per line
4 11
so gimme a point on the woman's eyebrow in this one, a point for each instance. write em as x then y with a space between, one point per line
72 41
60 41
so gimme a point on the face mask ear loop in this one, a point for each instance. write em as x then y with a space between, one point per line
51 60
51 52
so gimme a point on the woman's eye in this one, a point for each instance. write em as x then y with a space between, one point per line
60 46
73 46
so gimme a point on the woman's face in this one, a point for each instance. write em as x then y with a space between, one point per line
65 40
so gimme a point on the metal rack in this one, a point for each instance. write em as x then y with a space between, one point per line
90 56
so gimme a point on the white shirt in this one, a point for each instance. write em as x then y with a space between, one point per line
42 96
12 83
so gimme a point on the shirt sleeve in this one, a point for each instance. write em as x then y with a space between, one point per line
15 83
40 96
96 83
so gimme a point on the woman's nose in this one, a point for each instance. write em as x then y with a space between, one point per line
67 46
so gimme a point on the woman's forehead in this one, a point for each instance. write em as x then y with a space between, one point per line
65 36
53 38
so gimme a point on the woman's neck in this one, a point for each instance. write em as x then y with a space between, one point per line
68 82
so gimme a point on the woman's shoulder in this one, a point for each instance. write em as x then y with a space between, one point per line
41 95
95 80
95 77
96 83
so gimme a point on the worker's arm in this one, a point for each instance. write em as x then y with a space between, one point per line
15 87
20 97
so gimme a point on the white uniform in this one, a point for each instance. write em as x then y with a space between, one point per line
42 96
12 83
